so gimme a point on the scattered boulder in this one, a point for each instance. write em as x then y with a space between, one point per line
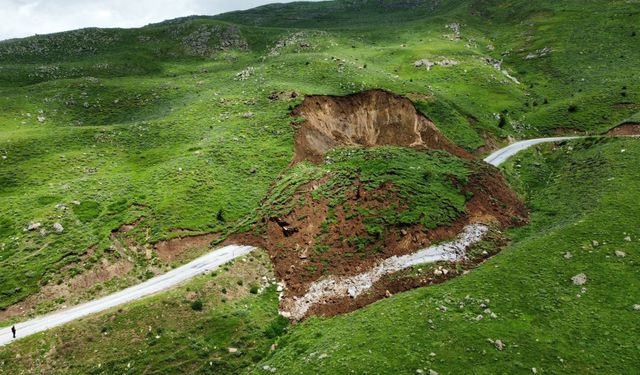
245 74
430 64
233 350
247 115
568 255
33 226
620 254
636 307
539 53
58 227
579 279
499 345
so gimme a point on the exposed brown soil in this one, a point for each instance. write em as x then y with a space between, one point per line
174 248
403 281
295 241
627 106
370 118
626 129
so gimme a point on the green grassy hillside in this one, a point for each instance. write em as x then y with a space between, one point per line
183 126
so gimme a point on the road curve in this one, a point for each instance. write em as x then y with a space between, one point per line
505 153
201 265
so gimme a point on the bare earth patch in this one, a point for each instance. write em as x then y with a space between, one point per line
174 248
370 118
626 129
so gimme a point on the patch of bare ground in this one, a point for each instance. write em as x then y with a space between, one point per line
626 129
369 118
73 287
178 247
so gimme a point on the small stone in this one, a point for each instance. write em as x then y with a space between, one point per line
499 345
247 115
431 372
627 238
388 294
534 370
579 279
636 307
568 255
494 315
437 272
419 371
233 350
595 243
479 318
34 226
620 254
58 228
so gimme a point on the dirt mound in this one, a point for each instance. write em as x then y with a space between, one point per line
174 248
370 118
626 129
305 248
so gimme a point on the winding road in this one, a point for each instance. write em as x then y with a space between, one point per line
199 266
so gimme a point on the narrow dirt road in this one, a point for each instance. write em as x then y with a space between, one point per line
201 265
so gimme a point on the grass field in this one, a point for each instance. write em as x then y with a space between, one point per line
177 123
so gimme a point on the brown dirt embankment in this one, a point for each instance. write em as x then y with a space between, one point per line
304 248
626 129
369 118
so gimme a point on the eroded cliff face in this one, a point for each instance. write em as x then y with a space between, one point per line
370 118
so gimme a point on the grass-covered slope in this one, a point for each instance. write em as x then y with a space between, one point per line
220 323
173 122
583 197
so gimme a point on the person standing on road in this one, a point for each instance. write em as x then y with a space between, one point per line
13 330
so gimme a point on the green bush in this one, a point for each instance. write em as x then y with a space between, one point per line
197 305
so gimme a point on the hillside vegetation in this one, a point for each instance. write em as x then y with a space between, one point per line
125 152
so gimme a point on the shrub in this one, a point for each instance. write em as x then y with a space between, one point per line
254 289
572 108
196 305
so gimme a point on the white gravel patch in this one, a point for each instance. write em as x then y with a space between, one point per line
354 286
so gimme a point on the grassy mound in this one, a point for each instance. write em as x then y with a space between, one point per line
364 205
583 197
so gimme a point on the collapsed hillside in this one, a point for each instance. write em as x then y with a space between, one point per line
370 118
345 207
